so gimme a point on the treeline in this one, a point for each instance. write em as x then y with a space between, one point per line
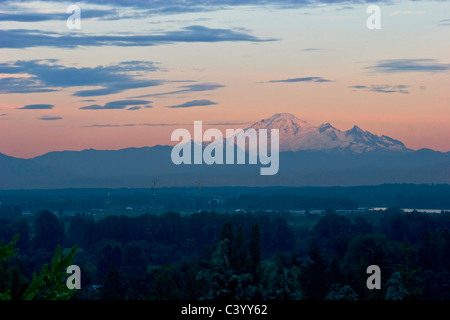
289 202
167 202
426 196
209 255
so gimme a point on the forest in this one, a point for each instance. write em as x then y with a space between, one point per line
228 256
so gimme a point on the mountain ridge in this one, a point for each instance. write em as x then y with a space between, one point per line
346 158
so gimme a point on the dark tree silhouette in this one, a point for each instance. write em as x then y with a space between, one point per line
48 231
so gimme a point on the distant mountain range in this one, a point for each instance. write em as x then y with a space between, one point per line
310 156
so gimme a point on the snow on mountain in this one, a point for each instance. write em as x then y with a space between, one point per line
296 134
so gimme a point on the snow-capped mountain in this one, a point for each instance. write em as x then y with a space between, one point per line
296 134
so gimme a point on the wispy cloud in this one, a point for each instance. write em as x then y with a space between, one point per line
194 103
103 126
49 118
312 49
135 125
304 79
383 88
37 107
408 12
186 6
199 87
409 65
106 14
163 124
444 22
23 85
48 75
120 104
229 123
25 38
118 87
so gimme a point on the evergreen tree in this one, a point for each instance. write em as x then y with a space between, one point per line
50 284
113 287
49 232
238 254
395 288
7 251
255 251
340 292
315 274
409 274
8 275
164 285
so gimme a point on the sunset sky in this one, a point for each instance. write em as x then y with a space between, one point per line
137 70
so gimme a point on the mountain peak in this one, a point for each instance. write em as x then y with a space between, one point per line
325 126
278 117
296 134
289 127
285 115
282 121
356 129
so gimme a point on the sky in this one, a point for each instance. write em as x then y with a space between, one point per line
137 70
